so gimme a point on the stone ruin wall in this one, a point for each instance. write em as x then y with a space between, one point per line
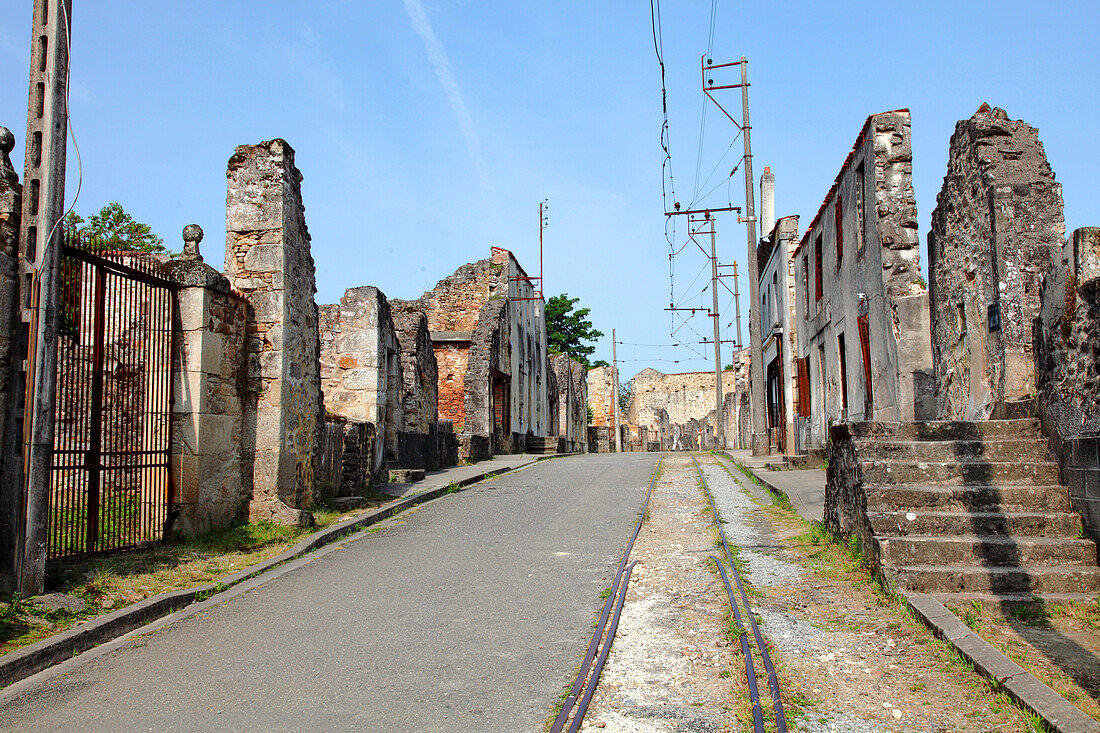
419 372
681 398
489 352
1067 355
453 308
268 262
996 231
601 395
571 378
360 367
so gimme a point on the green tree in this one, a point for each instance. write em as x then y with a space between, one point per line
113 228
567 328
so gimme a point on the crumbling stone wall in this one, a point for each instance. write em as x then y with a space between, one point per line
863 248
419 395
570 377
661 401
489 336
452 309
361 372
268 262
1067 359
601 396
996 231
211 454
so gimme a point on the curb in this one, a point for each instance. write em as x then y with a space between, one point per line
1058 714
29 660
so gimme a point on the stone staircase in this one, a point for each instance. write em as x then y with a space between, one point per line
542 446
972 511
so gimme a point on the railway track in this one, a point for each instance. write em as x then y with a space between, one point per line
739 618
580 694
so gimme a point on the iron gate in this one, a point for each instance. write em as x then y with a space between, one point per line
111 486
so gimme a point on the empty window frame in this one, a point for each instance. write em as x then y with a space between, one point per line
838 209
819 287
843 372
859 210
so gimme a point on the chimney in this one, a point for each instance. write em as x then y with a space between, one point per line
767 202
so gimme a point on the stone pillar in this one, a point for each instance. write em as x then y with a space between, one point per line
11 196
268 261
208 398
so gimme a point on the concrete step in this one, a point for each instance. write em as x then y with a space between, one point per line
986 473
946 430
968 498
542 446
993 449
1004 604
1021 524
974 579
406 475
986 551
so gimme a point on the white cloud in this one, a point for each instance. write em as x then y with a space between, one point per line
442 65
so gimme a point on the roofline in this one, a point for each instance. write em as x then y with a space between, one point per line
843 168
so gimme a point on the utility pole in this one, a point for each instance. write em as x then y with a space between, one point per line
756 370
615 392
40 238
719 423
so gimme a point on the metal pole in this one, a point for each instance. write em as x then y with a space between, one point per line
39 260
615 392
759 427
719 427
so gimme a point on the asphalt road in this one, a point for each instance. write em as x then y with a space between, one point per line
469 613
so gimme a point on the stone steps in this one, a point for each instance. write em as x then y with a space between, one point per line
971 510
995 473
976 550
975 498
953 523
1006 449
1005 604
1034 579
542 446
940 430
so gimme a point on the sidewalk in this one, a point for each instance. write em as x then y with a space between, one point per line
459 474
805 489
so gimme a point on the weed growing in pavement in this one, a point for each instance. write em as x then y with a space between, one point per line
1031 614
452 488
605 594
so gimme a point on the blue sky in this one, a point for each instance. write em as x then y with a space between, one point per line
429 130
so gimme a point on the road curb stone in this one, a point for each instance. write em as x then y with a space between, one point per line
29 660
1058 714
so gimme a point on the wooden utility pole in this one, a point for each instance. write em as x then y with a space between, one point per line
756 370
40 238
615 392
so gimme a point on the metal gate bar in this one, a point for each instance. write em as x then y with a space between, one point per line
111 485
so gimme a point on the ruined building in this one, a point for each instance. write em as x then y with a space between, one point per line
997 228
862 307
361 372
602 393
678 411
778 331
488 331
983 509
569 404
